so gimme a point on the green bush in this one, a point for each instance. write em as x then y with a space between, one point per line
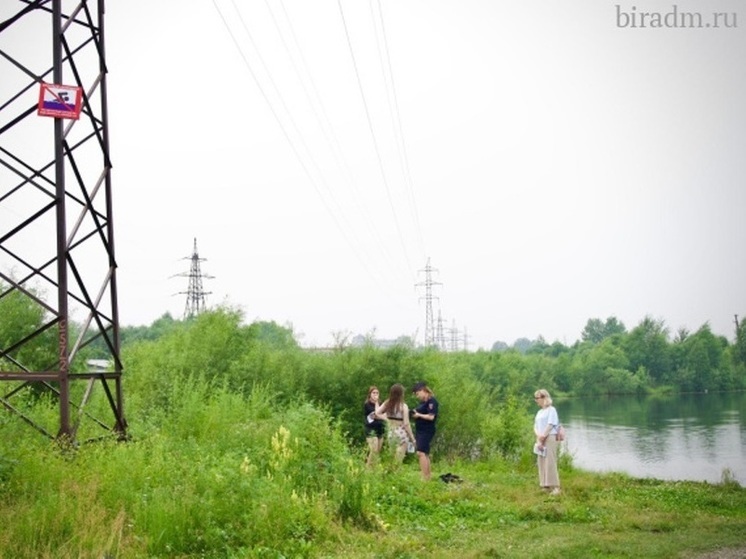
508 433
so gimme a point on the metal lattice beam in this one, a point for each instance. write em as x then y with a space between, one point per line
57 254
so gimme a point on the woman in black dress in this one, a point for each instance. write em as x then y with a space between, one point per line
374 427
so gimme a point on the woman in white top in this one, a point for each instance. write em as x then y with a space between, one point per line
545 429
396 412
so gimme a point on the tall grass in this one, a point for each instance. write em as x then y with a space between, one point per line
242 449
228 476
217 473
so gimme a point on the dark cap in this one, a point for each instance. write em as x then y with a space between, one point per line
419 386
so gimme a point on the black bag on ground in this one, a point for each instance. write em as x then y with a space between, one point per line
451 478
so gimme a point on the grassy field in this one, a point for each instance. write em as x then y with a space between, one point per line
218 475
498 511
241 445
114 503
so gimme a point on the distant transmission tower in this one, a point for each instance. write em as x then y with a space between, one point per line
454 336
429 319
440 337
195 300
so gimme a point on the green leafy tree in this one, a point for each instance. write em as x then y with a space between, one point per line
522 345
556 349
538 346
596 331
464 406
205 348
273 335
159 328
647 346
603 369
506 432
739 353
517 376
701 363
593 331
563 377
681 335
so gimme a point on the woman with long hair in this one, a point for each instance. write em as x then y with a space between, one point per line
396 412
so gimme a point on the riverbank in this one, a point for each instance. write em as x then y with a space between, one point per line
224 507
499 512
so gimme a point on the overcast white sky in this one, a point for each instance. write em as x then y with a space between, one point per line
552 165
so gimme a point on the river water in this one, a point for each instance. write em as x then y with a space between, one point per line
682 437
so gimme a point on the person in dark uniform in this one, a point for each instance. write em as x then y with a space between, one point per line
425 416
374 427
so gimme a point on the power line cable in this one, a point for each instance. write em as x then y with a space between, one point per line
291 143
325 123
375 140
277 118
281 98
342 214
403 152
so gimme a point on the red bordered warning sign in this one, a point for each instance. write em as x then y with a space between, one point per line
62 101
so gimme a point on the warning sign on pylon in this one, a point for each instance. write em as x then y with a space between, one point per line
61 101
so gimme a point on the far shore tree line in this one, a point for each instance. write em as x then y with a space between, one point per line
608 359
485 395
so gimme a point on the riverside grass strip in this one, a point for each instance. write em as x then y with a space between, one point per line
184 499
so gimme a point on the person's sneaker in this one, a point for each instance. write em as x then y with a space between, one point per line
555 491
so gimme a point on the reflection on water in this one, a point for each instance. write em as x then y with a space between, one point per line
689 437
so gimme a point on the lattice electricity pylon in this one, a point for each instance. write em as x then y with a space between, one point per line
57 259
196 301
428 284
440 333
